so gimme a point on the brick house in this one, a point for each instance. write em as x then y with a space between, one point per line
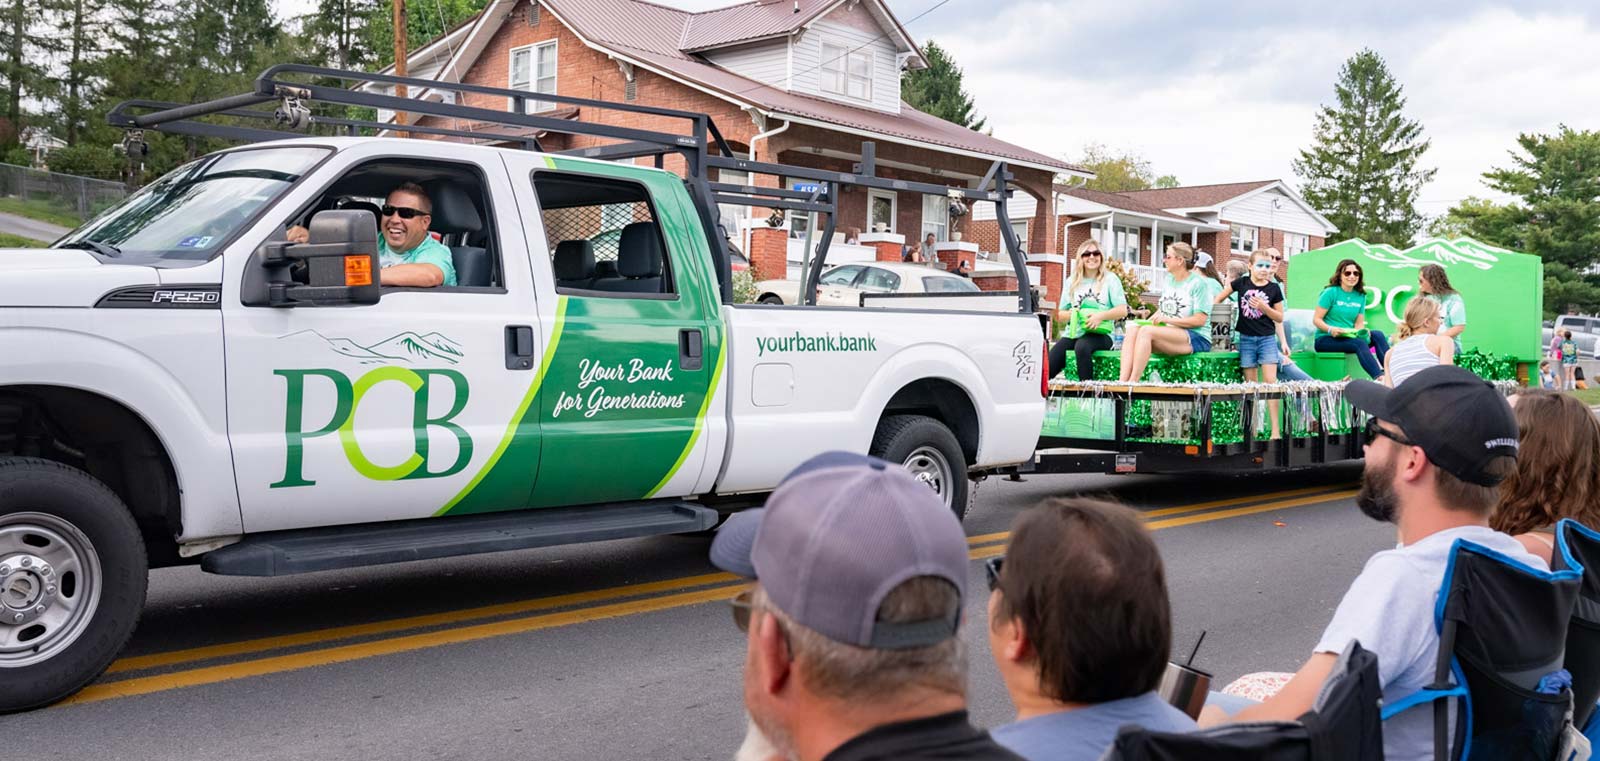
1136 226
800 82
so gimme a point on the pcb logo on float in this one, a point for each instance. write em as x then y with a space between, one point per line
302 425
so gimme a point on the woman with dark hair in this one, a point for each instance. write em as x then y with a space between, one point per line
1558 470
1435 284
1341 319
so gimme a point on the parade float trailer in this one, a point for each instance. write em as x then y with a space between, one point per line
1196 413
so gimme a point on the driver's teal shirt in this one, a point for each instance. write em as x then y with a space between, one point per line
429 251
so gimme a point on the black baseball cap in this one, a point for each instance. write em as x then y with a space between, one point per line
1461 422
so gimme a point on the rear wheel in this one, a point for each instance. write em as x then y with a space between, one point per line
770 299
72 580
930 451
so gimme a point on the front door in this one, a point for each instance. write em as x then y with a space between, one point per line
393 410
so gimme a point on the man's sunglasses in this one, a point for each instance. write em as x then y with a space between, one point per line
404 212
991 569
1374 431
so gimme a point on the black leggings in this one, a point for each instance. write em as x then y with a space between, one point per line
1084 347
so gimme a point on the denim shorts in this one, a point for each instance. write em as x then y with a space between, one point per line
1198 343
1255 351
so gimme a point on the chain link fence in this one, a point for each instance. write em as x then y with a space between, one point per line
600 224
61 196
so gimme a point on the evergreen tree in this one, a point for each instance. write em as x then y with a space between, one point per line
75 42
1361 170
426 20
937 89
19 63
339 30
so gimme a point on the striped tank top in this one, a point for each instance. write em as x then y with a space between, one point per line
1410 357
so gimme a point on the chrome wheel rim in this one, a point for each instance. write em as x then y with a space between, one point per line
50 581
929 466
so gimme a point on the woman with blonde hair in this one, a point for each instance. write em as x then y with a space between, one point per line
1094 301
1558 470
1419 345
1179 324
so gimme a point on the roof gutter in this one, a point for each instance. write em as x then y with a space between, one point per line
760 120
929 146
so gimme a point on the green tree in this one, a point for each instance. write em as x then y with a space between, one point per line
1117 171
339 29
1361 170
75 42
1556 181
426 20
937 89
19 67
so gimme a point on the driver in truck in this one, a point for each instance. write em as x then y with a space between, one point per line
408 255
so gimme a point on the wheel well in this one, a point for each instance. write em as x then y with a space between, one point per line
943 401
105 439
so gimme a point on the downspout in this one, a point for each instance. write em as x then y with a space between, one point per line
760 121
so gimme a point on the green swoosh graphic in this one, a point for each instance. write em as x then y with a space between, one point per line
699 420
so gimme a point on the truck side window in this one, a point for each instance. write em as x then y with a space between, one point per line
604 237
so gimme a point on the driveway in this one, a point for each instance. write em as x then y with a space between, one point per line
30 228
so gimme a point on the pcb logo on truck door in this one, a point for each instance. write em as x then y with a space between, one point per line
419 386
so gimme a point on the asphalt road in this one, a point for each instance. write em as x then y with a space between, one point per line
30 228
625 650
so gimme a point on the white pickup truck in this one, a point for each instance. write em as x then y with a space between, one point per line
182 385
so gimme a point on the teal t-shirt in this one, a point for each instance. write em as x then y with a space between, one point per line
1092 296
429 251
1343 307
1452 309
1190 296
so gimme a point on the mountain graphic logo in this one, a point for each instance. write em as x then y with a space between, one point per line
408 347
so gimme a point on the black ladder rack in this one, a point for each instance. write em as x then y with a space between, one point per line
701 145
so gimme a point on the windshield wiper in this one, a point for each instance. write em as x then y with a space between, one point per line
103 249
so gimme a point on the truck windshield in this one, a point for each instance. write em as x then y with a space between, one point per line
192 211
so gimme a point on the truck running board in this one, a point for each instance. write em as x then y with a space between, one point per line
282 553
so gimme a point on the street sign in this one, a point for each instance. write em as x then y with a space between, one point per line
808 187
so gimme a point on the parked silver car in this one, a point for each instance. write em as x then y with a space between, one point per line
843 285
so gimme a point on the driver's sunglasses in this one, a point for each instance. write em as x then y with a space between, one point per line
403 212
1374 431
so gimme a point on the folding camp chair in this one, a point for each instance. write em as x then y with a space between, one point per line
1342 725
1578 546
1502 627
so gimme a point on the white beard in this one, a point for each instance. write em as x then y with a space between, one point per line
756 746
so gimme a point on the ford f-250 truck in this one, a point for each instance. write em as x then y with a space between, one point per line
181 384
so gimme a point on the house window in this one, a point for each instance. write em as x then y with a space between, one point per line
533 68
1020 229
936 217
846 72
880 210
1244 238
1295 243
1122 242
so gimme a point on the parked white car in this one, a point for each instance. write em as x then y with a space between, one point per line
843 285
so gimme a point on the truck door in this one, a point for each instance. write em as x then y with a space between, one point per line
637 349
399 409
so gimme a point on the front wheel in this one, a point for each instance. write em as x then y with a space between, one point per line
73 574
930 451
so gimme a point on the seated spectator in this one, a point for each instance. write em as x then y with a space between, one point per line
1419 345
1080 628
1179 324
1341 318
1439 445
1095 300
1558 470
851 625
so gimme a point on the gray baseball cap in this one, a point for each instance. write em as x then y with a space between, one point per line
839 533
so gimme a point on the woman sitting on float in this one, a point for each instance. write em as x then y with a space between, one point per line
1095 301
1341 319
1180 323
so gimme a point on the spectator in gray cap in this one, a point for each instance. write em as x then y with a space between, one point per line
852 621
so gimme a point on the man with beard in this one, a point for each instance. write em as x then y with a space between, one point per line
1438 446
851 625
407 253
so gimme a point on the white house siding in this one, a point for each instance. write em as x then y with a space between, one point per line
766 62
849 32
1021 206
1257 211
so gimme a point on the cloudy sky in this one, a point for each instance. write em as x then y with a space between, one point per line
1227 92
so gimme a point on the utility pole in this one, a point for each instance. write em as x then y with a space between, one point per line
400 56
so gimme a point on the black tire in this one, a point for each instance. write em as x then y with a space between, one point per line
904 438
770 299
49 508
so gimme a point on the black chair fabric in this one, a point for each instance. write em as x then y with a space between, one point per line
453 209
1578 546
573 262
473 268
639 261
1343 725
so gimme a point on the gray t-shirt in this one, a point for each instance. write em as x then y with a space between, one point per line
1085 733
1389 610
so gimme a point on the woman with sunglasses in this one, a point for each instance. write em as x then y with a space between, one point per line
1095 301
1341 319
1259 312
1178 326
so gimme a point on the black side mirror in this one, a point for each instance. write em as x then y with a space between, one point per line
340 265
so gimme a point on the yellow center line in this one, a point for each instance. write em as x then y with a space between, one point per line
340 654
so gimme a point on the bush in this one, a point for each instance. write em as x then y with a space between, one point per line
86 161
744 287
18 156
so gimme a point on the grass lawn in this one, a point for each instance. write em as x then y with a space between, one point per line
40 209
7 240
1589 396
